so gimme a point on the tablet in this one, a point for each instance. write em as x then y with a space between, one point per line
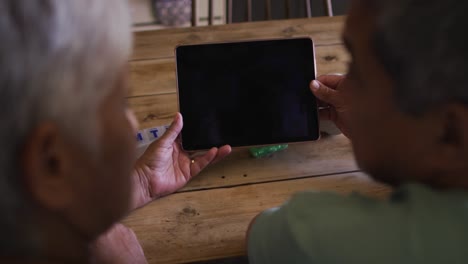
247 93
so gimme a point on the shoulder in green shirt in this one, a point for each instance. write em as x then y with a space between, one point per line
417 225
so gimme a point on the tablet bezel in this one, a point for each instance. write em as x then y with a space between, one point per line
250 41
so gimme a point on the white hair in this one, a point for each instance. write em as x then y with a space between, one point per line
58 60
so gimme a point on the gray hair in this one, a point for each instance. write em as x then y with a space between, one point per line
58 59
422 45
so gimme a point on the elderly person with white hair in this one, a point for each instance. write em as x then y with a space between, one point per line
68 170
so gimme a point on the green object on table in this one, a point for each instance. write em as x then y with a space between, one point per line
259 152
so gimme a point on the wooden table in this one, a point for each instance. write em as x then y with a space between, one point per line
209 217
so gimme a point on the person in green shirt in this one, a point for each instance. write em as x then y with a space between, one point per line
404 106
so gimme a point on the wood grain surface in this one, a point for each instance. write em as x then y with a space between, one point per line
211 224
161 43
208 218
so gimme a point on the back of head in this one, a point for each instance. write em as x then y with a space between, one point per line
57 61
423 46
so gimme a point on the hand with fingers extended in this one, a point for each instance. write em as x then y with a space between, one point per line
329 90
165 167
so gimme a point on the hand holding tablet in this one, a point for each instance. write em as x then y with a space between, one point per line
247 93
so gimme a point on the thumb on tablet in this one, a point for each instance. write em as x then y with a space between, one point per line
324 93
173 131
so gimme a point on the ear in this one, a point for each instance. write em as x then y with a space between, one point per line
452 137
43 162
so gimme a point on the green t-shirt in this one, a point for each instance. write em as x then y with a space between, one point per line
417 225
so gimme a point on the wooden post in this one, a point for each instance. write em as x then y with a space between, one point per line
229 12
329 7
249 10
287 8
308 8
267 9
194 13
210 12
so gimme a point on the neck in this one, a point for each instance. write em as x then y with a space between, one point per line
446 180
449 181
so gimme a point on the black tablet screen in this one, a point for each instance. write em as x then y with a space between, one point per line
247 93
